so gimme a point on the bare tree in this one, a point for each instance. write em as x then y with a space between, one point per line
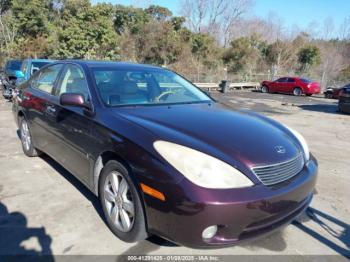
195 12
328 28
216 17
234 10
344 29
7 33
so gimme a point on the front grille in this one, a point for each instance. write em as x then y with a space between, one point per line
277 173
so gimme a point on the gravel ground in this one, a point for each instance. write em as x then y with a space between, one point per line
45 210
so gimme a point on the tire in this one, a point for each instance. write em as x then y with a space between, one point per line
26 139
264 89
118 206
308 94
339 109
297 91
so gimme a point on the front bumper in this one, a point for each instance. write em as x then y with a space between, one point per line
240 214
312 90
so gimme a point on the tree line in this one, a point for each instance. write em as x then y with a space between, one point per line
210 41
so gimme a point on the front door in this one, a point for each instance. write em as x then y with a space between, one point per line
72 125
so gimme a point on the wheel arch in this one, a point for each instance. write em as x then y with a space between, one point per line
20 114
302 89
101 161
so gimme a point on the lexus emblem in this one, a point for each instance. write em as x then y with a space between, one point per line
280 149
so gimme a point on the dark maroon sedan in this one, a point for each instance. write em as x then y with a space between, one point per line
291 85
162 156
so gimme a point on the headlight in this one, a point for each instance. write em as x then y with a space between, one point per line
302 142
201 169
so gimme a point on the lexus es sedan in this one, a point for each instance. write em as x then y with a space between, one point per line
291 85
162 156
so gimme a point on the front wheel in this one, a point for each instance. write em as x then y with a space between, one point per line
297 91
121 203
264 89
26 139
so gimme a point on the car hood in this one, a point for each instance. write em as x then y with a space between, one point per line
232 136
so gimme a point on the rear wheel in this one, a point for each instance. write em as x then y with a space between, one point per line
264 89
26 139
297 91
121 203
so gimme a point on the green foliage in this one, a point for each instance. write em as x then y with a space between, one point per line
159 13
308 57
158 44
178 22
31 18
86 32
273 52
130 18
242 51
4 6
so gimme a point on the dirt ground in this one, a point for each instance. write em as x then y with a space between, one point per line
45 210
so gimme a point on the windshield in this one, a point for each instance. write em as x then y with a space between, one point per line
145 87
305 80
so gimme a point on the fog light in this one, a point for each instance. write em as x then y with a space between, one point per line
209 232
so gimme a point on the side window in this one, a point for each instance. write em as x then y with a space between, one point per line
46 79
281 80
24 67
290 80
73 81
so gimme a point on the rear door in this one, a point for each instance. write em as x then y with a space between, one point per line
289 85
35 100
279 85
71 125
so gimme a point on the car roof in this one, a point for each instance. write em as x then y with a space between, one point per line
13 60
113 64
40 60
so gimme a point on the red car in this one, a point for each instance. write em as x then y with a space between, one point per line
332 93
291 85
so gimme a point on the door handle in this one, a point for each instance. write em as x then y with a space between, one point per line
50 109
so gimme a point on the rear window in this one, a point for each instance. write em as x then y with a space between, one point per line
14 65
36 66
305 80
39 65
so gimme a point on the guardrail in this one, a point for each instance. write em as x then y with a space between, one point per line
216 86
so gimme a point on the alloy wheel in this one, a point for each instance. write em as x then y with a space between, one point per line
297 92
25 135
118 200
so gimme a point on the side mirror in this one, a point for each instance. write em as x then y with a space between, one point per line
73 99
34 69
76 99
19 74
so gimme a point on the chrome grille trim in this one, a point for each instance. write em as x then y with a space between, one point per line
276 173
